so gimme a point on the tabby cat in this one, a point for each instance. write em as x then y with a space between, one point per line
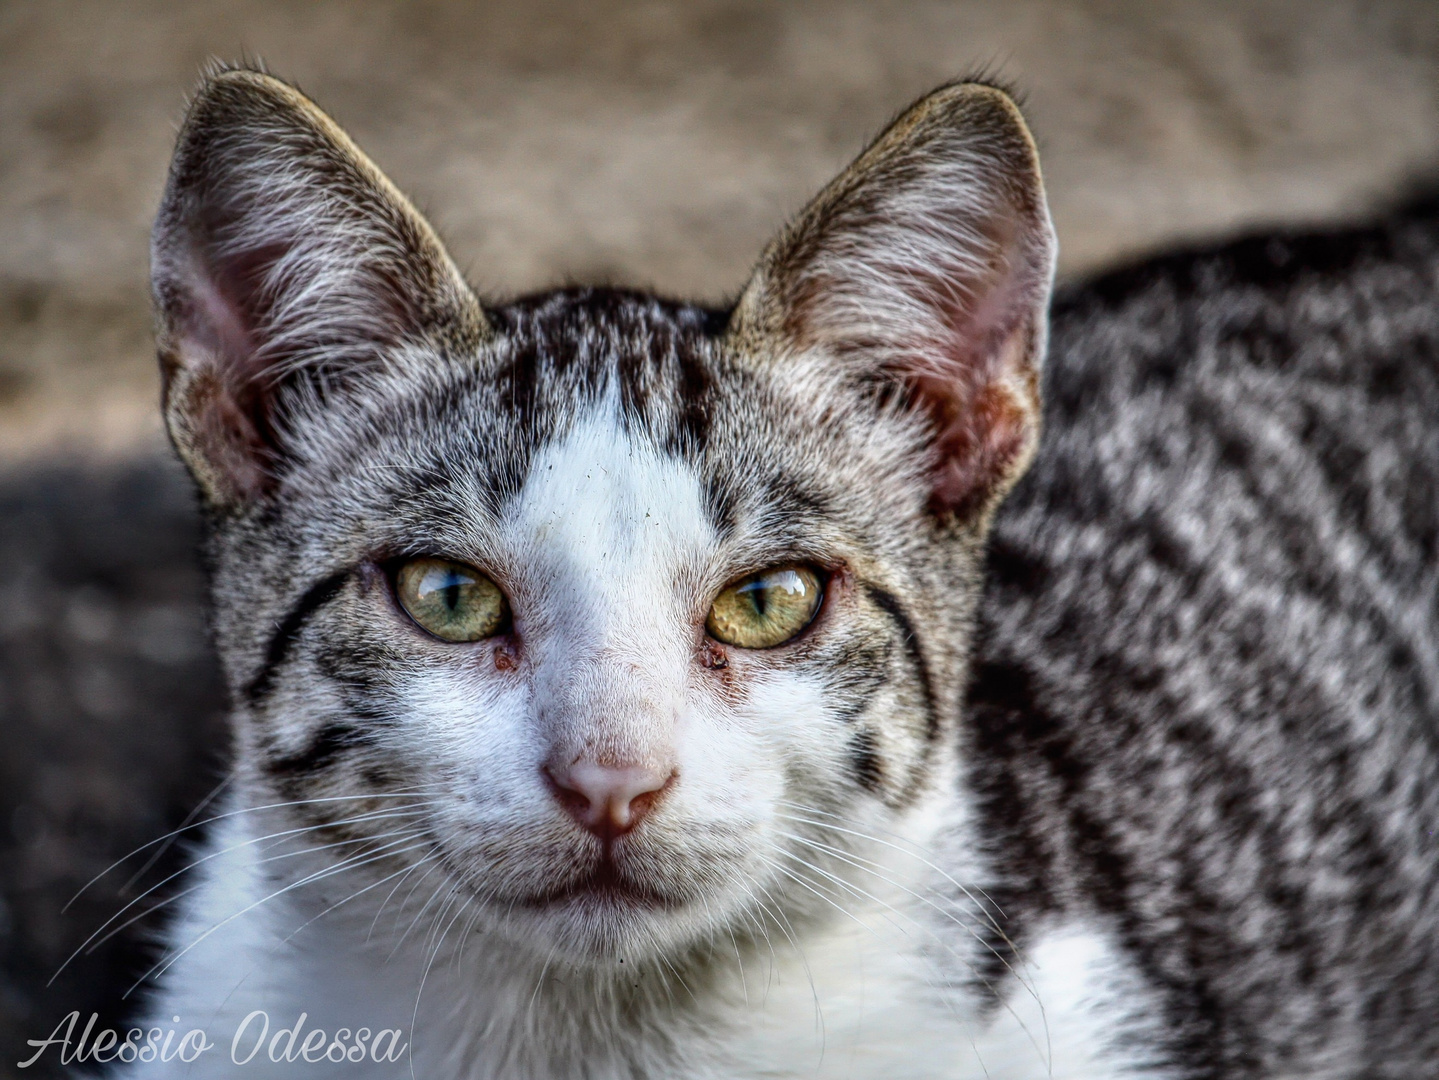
622 688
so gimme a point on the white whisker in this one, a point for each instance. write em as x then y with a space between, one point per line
873 868
87 943
160 967
904 851
173 833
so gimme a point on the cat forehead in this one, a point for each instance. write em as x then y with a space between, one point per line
601 396
563 349
603 502
587 405
555 356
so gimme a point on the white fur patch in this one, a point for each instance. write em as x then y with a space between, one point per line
860 1007
1083 1015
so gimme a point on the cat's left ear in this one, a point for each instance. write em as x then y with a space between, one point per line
927 262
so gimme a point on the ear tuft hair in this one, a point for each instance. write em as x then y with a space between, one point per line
281 254
929 261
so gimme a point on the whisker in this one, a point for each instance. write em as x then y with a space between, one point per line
229 814
439 944
352 896
84 945
431 936
987 917
437 863
160 967
788 930
904 851
899 842
418 916
159 852
858 861
465 936
659 951
420 990
828 899
940 983
859 893
133 919
396 888
540 981
949 949
414 830
764 932
912 849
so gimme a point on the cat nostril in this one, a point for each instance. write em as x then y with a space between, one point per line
608 800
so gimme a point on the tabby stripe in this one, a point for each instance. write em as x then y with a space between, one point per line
890 605
864 760
327 744
316 597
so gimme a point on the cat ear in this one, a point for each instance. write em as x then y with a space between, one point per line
282 262
927 262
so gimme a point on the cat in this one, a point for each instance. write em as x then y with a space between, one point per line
625 688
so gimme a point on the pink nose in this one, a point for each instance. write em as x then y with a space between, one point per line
608 800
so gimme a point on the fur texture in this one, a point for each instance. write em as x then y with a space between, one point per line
1175 818
1206 695
612 461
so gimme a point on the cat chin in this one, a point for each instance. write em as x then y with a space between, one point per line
603 933
641 898
602 923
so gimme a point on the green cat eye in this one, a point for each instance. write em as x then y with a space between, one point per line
765 609
451 600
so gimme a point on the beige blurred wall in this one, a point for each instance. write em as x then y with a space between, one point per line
661 143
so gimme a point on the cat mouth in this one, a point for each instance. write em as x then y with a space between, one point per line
603 886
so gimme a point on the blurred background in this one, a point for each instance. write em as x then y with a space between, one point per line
651 143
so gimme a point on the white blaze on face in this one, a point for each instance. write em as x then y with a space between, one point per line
611 563
608 538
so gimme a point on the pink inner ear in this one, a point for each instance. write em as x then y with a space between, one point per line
963 339
218 349
977 379
217 324
978 446
226 437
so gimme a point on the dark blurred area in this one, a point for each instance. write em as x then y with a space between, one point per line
112 716
651 143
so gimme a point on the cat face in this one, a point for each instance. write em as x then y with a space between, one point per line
647 616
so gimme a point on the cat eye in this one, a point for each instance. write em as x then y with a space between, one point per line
765 609
453 601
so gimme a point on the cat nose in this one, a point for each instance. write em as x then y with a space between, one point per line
608 800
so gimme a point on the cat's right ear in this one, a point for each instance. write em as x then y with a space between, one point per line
282 264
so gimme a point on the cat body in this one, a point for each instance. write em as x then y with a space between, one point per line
680 765
1206 692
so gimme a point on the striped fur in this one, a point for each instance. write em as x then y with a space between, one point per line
1161 806
611 460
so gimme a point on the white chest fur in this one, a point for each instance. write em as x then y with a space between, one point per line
864 999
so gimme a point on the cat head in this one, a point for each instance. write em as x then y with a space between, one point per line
640 616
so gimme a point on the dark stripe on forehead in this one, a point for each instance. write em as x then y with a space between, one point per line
694 393
316 597
891 606
562 350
